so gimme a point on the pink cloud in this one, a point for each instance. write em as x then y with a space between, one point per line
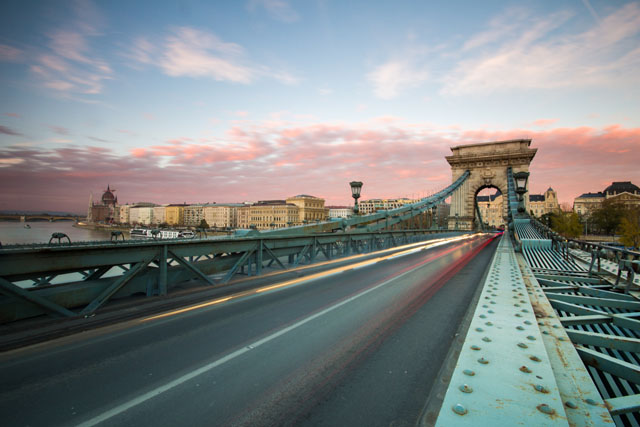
138 152
544 122
252 163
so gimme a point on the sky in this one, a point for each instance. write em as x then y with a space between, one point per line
231 101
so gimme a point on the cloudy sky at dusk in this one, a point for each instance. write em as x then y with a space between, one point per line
231 101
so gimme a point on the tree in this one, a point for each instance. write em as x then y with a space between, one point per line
630 228
546 219
607 217
203 224
566 223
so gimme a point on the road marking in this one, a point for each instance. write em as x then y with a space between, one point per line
181 380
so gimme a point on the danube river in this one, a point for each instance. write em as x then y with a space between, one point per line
40 231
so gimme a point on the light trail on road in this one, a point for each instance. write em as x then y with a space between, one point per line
410 249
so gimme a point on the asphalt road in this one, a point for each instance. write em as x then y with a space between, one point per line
360 345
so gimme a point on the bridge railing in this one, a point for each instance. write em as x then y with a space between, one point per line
64 278
627 261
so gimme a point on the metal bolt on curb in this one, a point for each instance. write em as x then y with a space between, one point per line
546 409
541 388
465 388
459 409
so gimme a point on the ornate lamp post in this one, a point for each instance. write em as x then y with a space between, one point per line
521 188
356 187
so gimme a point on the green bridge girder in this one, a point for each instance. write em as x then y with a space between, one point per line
93 274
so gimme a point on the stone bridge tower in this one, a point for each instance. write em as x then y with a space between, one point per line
488 163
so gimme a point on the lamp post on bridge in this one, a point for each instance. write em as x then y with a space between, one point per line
356 187
521 179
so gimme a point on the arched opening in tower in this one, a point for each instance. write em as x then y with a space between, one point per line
489 203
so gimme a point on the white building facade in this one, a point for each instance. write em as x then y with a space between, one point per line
141 215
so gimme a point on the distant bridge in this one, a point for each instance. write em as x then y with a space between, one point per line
40 217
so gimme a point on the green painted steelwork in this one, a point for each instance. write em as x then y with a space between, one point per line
558 277
574 308
623 405
585 319
596 301
604 340
612 365
83 275
11 289
380 220
189 266
114 287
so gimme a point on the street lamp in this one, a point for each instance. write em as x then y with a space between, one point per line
521 188
356 187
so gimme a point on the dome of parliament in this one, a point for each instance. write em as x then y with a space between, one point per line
108 198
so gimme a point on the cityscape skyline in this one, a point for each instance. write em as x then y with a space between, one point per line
264 99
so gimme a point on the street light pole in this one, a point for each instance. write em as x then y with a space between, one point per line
521 188
356 188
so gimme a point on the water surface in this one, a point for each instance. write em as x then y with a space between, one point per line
40 231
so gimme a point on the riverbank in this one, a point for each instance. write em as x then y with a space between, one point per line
108 228
101 227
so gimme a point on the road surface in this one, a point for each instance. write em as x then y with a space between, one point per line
356 345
